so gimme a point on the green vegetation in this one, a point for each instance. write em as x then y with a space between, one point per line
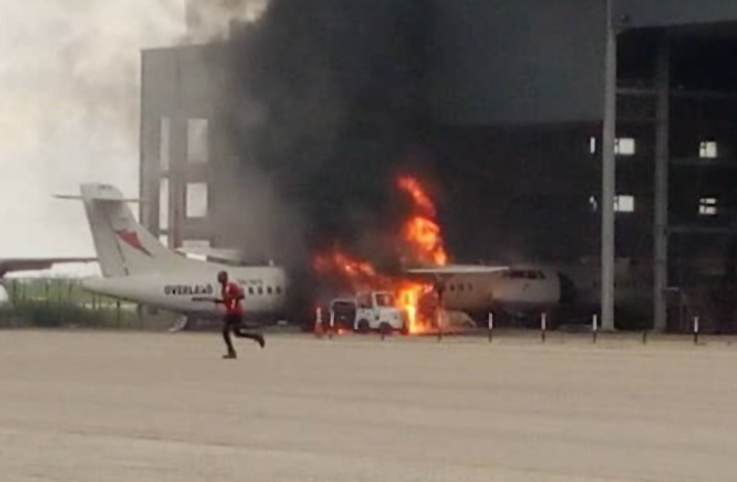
56 303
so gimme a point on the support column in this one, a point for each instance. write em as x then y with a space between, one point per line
662 154
177 181
608 188
149 157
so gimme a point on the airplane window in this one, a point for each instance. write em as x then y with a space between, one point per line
260 290
460 287
470 287
452 287
278 290
250 290
269 290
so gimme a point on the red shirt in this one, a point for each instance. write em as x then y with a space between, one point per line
231 293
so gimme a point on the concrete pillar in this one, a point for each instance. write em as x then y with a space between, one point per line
150 139
177 181
608 189
662 155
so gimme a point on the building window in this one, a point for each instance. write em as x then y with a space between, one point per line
624 204
165 144
164 204
624 146
708 206
197 140
708 150
196 199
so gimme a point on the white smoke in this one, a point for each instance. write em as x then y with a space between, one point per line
69 110
211 19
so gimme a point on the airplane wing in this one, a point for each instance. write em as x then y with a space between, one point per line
216 254
457 269
8 265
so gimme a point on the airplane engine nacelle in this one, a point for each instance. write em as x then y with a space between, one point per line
523 289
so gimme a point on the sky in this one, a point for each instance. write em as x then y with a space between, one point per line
69 103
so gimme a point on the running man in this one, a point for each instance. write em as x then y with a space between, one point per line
231 297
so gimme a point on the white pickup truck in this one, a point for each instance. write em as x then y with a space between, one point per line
375 310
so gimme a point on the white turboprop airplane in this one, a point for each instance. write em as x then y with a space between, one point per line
523 290
138 268
512 289
10 265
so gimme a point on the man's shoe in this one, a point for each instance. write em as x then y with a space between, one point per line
260 340
230 356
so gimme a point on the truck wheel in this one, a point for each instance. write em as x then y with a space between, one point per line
385 329
363 326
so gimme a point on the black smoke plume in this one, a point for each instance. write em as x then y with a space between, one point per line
326 99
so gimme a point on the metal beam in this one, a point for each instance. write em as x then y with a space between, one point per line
608 188
662 154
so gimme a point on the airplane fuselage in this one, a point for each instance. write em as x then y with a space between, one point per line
517 290
529 289
264 289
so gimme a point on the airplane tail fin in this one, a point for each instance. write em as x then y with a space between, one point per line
123 246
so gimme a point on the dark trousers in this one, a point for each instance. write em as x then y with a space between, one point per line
232 323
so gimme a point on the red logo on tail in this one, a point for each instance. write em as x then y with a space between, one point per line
131 239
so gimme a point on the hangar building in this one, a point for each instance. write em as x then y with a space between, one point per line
512 97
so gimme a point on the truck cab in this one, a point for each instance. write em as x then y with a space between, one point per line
378 310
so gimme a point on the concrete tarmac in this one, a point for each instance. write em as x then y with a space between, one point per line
129 407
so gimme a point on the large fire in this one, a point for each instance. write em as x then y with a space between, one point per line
421 232
419 242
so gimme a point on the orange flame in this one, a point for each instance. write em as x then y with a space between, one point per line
360 274
420 241
422 201
421 232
